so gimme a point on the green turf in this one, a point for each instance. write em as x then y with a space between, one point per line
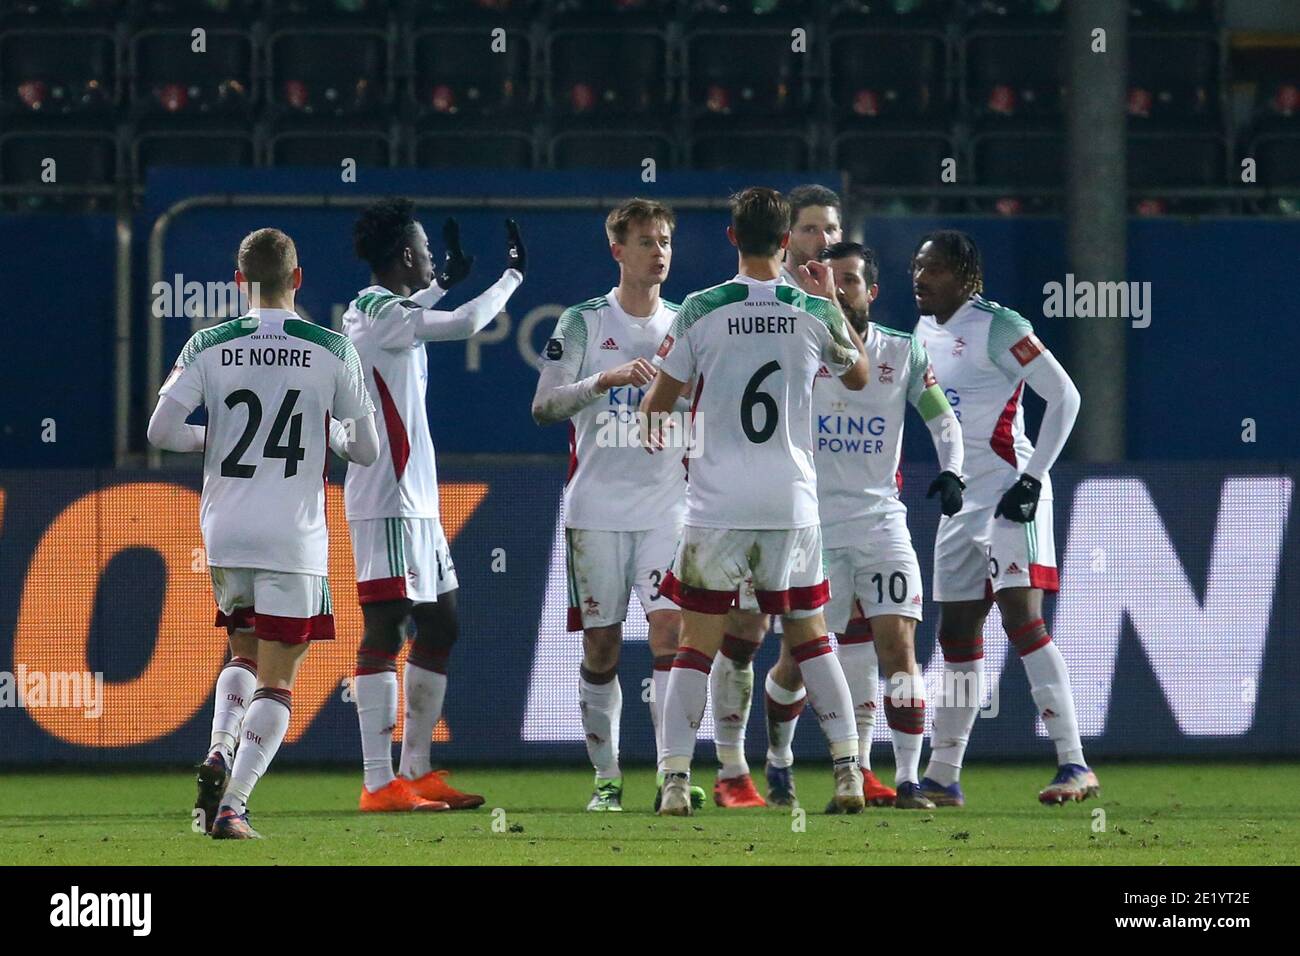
1204 813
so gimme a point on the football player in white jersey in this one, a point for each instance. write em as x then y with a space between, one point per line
271 383
404 569
814 224
876 593
622 513
753 346
1000 546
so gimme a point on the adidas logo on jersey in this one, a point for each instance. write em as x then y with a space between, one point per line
609 344
823 372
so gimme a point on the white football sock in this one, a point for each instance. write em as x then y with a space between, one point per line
376 696
862 672
731 688
235 687
262 733
425 692
828 692
1049 685
684 702
954 716
659 677
905 711
602 709
782 720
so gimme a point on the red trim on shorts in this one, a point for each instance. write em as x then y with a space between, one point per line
700 600
381 589
240 619
794 599
295 630
575 619
1001 441
398 443
1044 577
689 657
810 649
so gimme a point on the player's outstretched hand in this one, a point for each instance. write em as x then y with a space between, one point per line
516 258
455 264
1021 500
816 277
637 372
949 488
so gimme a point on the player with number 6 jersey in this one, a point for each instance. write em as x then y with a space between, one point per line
271 382
753 345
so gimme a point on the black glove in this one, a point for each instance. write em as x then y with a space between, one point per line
949 488
515 256
1021 501
456 265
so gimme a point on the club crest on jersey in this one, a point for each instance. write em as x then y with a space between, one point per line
554 349
609 345
959 346
1027 349
665 346
886 373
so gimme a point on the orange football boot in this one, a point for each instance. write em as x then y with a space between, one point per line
434 786
397 797
736 792
876 793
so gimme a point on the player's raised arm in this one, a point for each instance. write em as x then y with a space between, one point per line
845 354
431 325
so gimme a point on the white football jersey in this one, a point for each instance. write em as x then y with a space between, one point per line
403 481
270 382
859 435
978 355
756 347
613 485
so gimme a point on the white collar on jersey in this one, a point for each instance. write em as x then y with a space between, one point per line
280 314
617 306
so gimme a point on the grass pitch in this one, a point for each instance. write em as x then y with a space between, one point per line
1202 813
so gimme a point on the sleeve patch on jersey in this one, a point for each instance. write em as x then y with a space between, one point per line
1027 349
408 304
554 349
665 346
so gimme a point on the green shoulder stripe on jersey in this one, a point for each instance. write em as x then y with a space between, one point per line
671 306
372 303
326 338
821 309
206 338
699 304
1006 327
572 326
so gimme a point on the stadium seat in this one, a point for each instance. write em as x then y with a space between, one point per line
454 75
750 148
608 71
1173 78
1175 160
1015 76
440 144
743 72
58 71
327 71
611 147
83 157
328 144
201 145
167 76
1017 159
891 159
887 76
